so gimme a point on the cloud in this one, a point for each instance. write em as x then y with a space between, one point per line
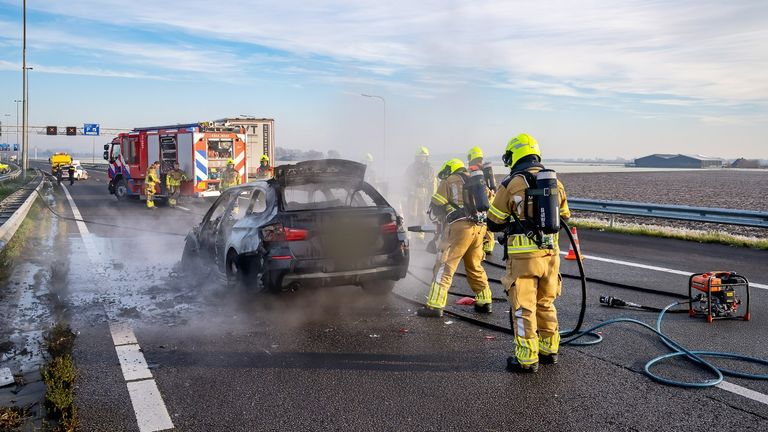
691 50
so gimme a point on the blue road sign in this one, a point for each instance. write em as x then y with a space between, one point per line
15 147
91 129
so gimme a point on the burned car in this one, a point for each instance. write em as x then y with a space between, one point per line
316 223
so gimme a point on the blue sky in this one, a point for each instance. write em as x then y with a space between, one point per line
587 78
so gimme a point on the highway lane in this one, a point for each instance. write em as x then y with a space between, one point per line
337 359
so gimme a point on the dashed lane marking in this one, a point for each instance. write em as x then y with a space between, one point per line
148 405
743 391
656 268
182 208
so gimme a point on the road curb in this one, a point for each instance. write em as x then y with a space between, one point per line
9 228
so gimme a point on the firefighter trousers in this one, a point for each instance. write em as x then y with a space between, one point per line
150 191
173 194
461 241
532 285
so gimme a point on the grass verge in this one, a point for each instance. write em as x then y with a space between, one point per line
13 248
59 377
12 418
11 186
716 237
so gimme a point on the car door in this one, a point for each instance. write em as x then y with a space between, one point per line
211 222
238 207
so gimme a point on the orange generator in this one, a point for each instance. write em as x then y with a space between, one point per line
718 298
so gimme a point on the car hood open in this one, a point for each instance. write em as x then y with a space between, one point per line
316 171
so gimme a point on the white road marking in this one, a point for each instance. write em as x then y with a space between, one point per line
182 208
132 362
122 333
151 413
148 404
743 391
655 268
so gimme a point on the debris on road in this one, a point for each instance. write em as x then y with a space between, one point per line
489 337
373 336
468 301
449 322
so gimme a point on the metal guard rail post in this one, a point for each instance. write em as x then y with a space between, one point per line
748 218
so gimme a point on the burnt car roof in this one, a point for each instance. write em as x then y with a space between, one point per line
324 170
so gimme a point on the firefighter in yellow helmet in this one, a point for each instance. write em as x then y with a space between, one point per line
173 181
265 170
420 179
476 164
462 239
533 280
229 176
151 180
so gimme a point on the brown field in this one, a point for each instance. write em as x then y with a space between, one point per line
733 189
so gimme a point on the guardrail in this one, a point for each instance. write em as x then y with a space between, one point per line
748 218
15 207
11 175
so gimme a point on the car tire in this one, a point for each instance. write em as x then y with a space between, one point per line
233 271
121 190
189 259
379 287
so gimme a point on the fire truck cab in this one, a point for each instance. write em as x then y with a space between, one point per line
201 150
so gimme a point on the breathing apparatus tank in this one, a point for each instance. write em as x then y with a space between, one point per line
546 201
476 190
490 180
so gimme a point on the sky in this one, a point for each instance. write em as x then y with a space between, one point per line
589 79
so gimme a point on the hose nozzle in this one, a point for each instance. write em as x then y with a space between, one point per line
612 301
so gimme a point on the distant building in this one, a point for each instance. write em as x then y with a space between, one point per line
678 161
745 163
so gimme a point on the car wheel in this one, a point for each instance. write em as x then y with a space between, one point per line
189 259
379 287
121 190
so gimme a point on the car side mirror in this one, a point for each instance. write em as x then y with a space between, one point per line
106 155
106 146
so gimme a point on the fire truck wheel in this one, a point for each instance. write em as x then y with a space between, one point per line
121 190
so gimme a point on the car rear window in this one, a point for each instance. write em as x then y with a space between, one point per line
319 196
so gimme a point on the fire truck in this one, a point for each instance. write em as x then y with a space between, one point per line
201 149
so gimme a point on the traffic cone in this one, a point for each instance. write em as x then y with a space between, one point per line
571 253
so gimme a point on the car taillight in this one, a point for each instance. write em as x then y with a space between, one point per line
279 233
389 228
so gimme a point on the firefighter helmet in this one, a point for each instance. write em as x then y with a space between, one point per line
368 158
519 147
265 158
230 162
422 151
474 153
450 167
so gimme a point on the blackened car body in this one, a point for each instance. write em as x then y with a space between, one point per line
316 223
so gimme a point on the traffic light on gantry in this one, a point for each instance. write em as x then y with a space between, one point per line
51 130
71 131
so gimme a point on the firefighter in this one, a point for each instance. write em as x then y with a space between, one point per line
150 181
370 173
58 175
264 171
475 163
462 239
71 173
173 183
421 186
229 176
532 281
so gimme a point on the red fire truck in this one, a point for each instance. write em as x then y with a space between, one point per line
202 151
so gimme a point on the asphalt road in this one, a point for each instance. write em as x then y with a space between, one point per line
338 359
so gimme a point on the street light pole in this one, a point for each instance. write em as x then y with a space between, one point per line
384 102
25 97
17 129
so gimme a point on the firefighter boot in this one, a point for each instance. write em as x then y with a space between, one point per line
428 312
548 359
514 366
484 301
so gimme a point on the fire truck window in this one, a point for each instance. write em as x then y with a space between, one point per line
258 202
115 151
130 152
